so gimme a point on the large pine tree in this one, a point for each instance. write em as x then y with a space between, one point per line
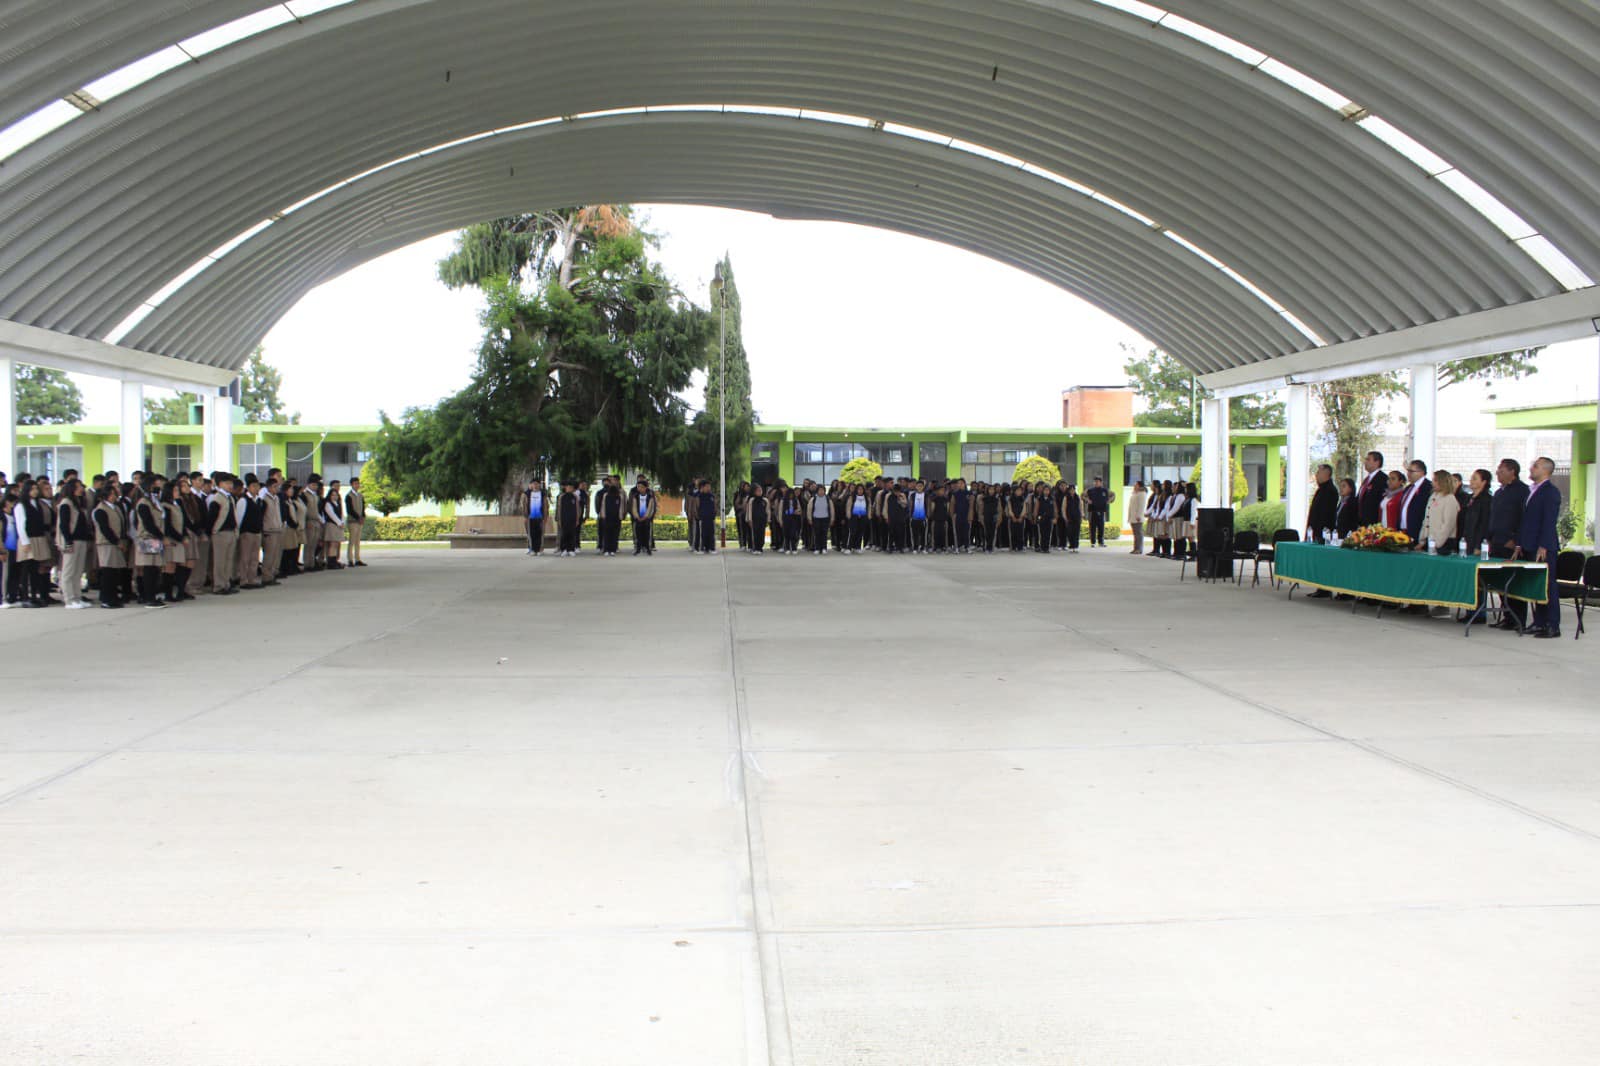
741 416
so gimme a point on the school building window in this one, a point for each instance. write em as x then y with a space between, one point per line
822 462
764 462
1152 463
995 463
175 459
48 462
255 459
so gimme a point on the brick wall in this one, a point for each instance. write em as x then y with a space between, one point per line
1098 408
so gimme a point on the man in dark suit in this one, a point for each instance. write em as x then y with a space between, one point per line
1322 515
1414 507
1324 505
1537 540
1505 525
1370 490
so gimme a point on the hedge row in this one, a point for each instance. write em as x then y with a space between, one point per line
433 528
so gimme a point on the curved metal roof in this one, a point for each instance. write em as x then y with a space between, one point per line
1257 167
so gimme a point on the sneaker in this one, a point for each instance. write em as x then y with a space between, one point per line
153 605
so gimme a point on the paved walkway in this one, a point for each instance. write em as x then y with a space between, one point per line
472 808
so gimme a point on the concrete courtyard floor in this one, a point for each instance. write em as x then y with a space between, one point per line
474 808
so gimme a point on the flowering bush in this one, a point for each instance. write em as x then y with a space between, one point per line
860 471
1036 469
1377 539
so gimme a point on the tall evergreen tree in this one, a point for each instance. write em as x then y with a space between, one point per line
741 416
587 346
46 397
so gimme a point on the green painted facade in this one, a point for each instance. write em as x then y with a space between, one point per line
1116 441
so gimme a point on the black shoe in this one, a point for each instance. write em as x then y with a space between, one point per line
1547 634
1320 594
112 606
30 605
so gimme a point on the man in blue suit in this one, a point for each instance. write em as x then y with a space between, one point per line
1414 507
1537 541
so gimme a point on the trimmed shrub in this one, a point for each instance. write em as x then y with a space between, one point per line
860 471
1264 519
1035 470
666 529
398 528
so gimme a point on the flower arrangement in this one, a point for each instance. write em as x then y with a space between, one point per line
1377 539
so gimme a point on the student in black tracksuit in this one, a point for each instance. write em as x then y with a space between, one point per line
755 516
1016 519
898 515
858 510
917 507
1072 517
961 516
608 506
939 523
569 517
708 519
988 507
1044 514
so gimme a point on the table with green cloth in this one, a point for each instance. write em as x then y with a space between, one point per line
1409 577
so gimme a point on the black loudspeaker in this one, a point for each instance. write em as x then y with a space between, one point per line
1214 543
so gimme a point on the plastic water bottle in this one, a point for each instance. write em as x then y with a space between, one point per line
1433 549
1463 543
1483 551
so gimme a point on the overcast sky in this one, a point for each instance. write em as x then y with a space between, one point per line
843 325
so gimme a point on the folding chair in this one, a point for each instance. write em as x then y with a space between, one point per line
1246 546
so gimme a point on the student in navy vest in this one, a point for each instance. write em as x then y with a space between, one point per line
642 508
1537 540
707 518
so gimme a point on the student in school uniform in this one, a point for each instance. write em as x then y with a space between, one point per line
194 513
149 546
569 517
939 530
175 542
839 497
708 518
110 536
75 536
355 513
294 534
223 524
311 542
272 529
10 594
741 524
535 514
820 515
332 526
755 514
252 511
28 519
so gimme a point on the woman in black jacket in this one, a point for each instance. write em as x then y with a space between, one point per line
1473 525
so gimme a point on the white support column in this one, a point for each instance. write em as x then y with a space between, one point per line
219 431
1594 469
1216 465
131 439
8 415
1297 465
1425 415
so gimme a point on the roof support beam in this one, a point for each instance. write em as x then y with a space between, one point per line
62 351
1566 317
